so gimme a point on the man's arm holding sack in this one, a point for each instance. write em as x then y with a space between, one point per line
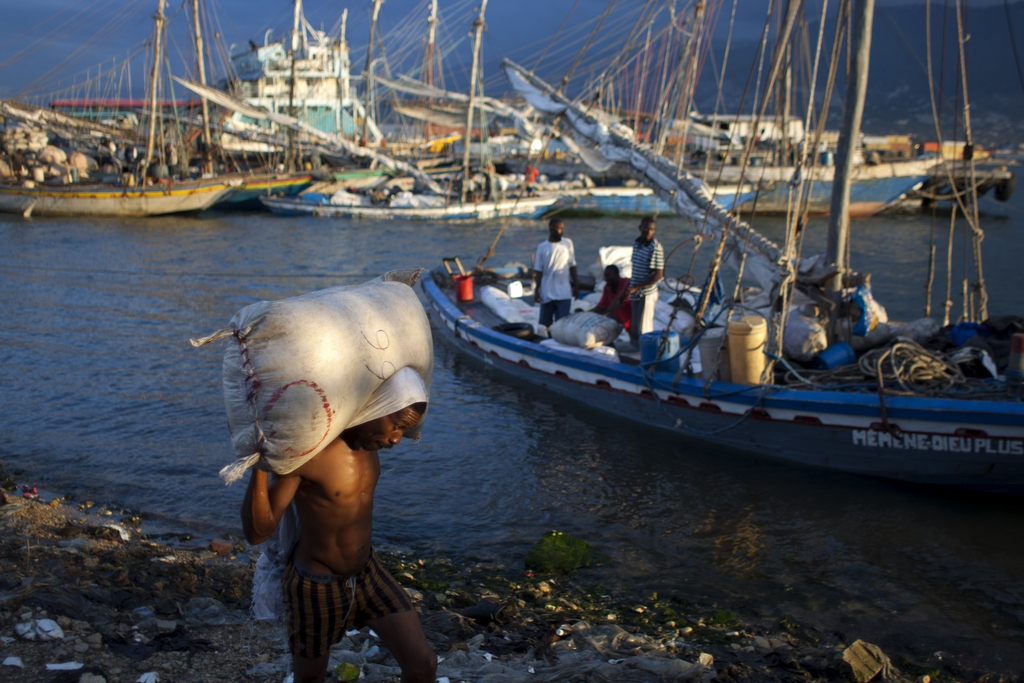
264 505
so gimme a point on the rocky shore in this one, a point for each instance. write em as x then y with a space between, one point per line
86 597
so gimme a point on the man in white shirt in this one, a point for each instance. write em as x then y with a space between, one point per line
554 274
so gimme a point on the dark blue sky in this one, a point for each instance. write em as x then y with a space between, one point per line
46 46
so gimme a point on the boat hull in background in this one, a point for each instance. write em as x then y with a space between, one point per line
528 207
85 200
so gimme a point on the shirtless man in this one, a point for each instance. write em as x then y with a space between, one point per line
334 579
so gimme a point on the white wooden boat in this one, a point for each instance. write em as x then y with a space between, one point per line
111 200
527 207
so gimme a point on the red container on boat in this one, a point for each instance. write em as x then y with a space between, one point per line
463 287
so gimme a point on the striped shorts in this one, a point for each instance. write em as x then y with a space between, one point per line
321 607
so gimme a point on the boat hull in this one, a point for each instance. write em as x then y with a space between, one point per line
872 190
81 200
526 208
633 201
247 196
972 444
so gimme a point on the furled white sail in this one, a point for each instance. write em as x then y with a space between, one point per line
688 195
336 141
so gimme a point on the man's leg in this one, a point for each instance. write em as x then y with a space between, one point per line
310 670
561 307
647 321
403 635
547 312
636 321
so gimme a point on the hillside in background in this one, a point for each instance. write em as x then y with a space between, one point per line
898 100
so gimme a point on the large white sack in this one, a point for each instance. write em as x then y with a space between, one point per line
346 198
511 310
617 256
52 155
297 371
585 330
598 352
408 200
683 322
83 162
804 337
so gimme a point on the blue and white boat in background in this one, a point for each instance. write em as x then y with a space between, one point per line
636 201
420 208
872 188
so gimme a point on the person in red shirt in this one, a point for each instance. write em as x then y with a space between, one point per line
531 173
613 301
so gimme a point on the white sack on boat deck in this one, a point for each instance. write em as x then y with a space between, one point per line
585 330
52 155
408 200
596 352
508 309
683 322
346 198
804 336
302 370
616 256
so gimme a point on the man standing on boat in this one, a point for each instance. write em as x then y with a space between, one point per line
648 270
554 274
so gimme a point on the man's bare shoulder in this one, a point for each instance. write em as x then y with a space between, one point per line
325 462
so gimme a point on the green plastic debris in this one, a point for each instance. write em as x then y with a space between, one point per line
346 671
558 553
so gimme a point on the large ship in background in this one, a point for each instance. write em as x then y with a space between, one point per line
305 75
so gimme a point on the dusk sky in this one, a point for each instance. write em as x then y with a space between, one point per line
47 45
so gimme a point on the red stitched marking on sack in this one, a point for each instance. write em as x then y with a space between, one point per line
323 398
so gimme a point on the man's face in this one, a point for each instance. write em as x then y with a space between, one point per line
555 232
647 231
611 276
384 432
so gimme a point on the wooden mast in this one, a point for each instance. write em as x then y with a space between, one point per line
478 29
853 111
291 84
428 58
368 72
152 85
207 140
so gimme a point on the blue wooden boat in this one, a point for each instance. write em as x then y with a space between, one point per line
960 442
246 197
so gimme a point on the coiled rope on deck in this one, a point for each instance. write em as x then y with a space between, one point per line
902 368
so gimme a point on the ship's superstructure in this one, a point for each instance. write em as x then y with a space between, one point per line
322 94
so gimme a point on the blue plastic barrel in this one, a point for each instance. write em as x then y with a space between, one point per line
835 356
649 350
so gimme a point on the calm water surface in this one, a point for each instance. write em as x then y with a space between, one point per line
102 397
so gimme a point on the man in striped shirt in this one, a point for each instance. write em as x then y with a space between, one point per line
648 270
